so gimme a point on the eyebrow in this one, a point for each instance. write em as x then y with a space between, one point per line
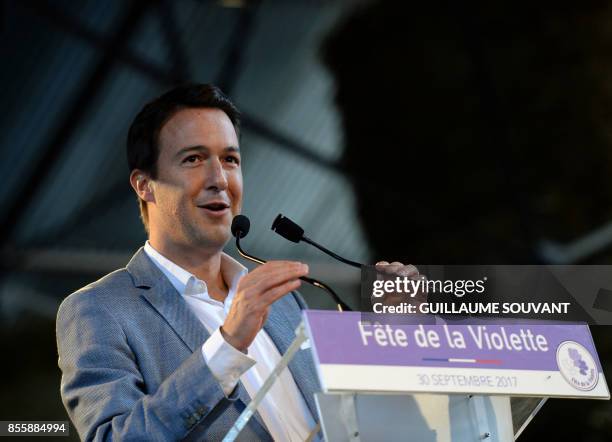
200 148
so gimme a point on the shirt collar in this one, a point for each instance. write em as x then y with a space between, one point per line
189 285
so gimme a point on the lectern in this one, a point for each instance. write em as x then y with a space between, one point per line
476 381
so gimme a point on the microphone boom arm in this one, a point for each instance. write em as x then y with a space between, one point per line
342 306
330 253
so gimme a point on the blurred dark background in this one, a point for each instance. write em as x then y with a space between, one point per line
480 133
446 132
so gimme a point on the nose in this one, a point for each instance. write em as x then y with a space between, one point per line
216 179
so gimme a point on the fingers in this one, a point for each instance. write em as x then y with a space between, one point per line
256 292
397 268
274 267
275 276
269 282
278 292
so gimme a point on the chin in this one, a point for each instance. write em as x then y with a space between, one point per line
217 236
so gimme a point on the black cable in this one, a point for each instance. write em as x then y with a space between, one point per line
332 254
342 306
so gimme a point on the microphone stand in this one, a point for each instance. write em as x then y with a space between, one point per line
341 305
291 231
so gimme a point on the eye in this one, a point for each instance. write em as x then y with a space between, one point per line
232 159
192 159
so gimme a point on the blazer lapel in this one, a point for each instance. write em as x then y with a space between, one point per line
281 329
164 298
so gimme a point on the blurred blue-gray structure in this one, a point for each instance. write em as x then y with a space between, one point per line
76 73
74 76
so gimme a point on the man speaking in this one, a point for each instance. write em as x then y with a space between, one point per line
176 343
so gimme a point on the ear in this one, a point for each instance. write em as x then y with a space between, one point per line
142 184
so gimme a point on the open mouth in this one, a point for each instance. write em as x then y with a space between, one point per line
215 206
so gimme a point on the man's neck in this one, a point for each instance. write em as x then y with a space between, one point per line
203 263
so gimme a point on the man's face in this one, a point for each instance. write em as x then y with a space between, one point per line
198 189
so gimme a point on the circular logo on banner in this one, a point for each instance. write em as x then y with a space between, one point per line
577 365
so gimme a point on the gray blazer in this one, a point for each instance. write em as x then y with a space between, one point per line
132 367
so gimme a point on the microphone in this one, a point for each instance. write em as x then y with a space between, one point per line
240 228
291 231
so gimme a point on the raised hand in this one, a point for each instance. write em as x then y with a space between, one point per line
257 291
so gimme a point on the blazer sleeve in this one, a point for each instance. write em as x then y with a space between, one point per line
103 389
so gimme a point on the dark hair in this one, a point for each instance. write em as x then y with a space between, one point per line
142 140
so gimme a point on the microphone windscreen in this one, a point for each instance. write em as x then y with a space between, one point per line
240 226
287 228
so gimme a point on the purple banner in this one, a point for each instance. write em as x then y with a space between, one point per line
343 338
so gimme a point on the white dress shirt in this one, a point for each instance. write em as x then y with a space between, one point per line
283 410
